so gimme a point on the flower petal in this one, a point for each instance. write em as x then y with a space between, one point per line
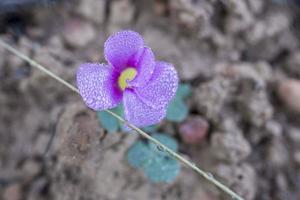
144 62
96 86
162 86
138 113
119 47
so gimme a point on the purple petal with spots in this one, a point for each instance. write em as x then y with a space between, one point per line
138 113
96 84
119 47
143 61
162 86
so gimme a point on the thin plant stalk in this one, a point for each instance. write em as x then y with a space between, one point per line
208 176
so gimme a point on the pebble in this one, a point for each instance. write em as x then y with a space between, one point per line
194 130
289 92
77 33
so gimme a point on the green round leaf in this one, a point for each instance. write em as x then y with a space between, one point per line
184 90
139 154
107 121
177 110
162 169
119 110
150 129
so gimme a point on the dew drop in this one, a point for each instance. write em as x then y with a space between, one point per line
210 175
193 164
160 148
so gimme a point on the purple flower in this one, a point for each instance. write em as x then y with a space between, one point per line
146 86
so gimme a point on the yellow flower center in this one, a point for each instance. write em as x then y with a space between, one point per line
126 75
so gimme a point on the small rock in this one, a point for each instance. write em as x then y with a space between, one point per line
12 192
231 147
78 33
194 130
289 92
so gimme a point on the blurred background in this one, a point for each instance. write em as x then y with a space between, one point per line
241 59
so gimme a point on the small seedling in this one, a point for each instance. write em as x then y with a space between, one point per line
157 165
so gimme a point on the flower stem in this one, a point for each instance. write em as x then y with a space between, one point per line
208 176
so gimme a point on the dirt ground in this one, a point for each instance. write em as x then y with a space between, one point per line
242 59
